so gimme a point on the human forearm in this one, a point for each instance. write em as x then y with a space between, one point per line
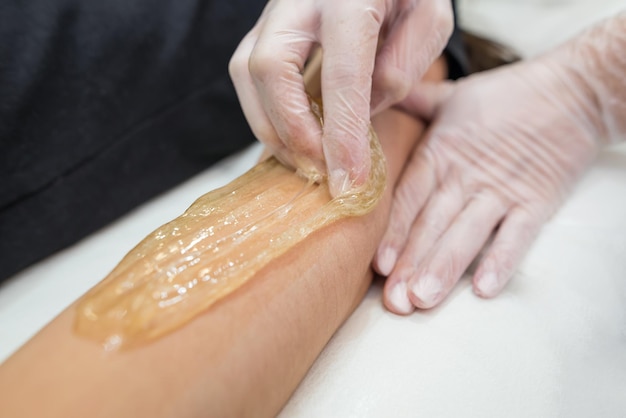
243 357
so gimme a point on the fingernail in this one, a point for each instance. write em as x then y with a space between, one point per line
387 261
339 182
488 285
428 290
399 299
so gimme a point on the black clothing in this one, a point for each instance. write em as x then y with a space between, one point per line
105 104
458 64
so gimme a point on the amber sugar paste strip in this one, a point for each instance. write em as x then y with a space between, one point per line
216 246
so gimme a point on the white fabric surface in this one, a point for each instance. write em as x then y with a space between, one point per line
554 344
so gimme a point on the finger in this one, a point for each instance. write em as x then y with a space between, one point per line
349 36
454 252
396 296
433 221
247 93
276 65
414 188
416 39
251 103
440 210
511 243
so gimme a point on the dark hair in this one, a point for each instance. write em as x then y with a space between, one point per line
484 54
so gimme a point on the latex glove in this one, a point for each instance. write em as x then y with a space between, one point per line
503 151
267 73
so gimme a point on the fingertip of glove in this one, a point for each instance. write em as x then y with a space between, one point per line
487 285
398 300
385 261
339 182
427 291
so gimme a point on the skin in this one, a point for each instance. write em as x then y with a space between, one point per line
243 357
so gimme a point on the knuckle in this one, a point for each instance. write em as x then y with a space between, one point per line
261 64
238 65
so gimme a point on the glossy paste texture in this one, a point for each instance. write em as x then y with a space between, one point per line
219 243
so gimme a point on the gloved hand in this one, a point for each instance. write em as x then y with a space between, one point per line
502 153
267 73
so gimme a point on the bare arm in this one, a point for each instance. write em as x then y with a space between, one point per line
243 357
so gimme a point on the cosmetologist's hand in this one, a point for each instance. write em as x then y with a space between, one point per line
502 152
358 75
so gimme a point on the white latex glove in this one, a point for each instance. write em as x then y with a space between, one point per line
267 73
503 151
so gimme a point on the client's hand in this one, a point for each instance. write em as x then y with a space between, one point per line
502 152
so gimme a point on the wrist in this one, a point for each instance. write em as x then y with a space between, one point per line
580 91
595 60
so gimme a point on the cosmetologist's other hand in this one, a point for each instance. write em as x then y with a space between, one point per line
502 153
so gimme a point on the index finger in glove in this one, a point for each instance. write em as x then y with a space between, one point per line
275 100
